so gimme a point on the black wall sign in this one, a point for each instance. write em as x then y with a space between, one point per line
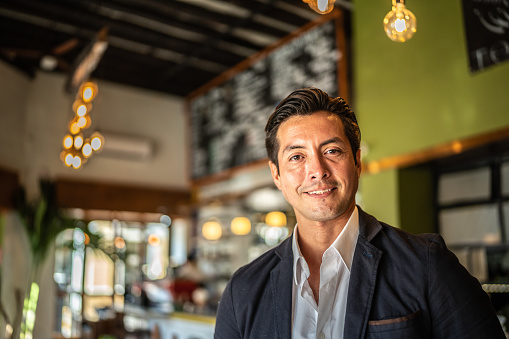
228 121
487 29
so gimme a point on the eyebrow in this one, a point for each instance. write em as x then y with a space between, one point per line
326 142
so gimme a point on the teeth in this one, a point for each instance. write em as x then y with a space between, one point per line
320 192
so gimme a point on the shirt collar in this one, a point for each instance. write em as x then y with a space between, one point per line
344 244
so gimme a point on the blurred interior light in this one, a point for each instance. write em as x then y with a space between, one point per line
81 122
165 219
87 149
81 108
212 230
119 243
69 159
74 128
153 240
68 141
241 226
321 6
76 162
78 141
88 91
97 141
276 219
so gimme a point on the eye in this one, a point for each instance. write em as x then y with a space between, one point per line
333 151
296 157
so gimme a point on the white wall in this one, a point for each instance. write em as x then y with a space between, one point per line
13 92
33 120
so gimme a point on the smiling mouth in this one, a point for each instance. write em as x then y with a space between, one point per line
321 192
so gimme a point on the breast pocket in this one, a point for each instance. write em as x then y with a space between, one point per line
407 326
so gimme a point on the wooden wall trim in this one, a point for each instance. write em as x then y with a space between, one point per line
105 196
433 153
9 183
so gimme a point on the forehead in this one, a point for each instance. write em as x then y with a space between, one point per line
318 124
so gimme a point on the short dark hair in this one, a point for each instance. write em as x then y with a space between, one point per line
307 101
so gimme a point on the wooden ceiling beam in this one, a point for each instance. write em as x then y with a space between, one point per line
118 197
79 17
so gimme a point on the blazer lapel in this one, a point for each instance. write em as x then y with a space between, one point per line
362 278
281 280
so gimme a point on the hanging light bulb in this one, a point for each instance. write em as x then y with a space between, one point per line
97 141
68 141
76 162
88 91
81 108
78 141
68 160
321 6
87 149
400 24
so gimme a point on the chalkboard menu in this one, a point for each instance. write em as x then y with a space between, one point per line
487 32
227 121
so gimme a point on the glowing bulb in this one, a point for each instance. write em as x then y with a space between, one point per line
82 122
69 159
212 230
97 141
241 226
276 219
78 141
88 91
119 243
153 240
87 149
68 141
82 110
400 24
321 6
76 162
74 128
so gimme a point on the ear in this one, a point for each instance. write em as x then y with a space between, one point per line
275 174
358 162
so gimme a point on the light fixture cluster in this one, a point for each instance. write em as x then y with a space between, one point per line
213 229
400 24
321 6
77 148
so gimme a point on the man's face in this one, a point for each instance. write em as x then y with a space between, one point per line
317 174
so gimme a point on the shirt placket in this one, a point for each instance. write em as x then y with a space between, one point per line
328 286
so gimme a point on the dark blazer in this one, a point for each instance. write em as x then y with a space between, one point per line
401 286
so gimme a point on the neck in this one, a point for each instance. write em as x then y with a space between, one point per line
315 237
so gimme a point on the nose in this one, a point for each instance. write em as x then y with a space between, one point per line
317 168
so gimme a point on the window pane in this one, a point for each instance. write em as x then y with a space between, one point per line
470 225
464 186
506 218
505 178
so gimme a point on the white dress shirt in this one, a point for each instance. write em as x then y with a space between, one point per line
327 319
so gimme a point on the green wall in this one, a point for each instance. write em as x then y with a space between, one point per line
414 95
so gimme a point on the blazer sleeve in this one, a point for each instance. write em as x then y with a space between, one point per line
226 324
458 305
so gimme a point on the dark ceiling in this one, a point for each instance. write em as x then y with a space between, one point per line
171 46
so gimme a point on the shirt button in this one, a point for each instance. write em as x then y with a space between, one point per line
321 335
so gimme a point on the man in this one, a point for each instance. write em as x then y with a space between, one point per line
342 273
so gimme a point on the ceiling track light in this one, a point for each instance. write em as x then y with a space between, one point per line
400 24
